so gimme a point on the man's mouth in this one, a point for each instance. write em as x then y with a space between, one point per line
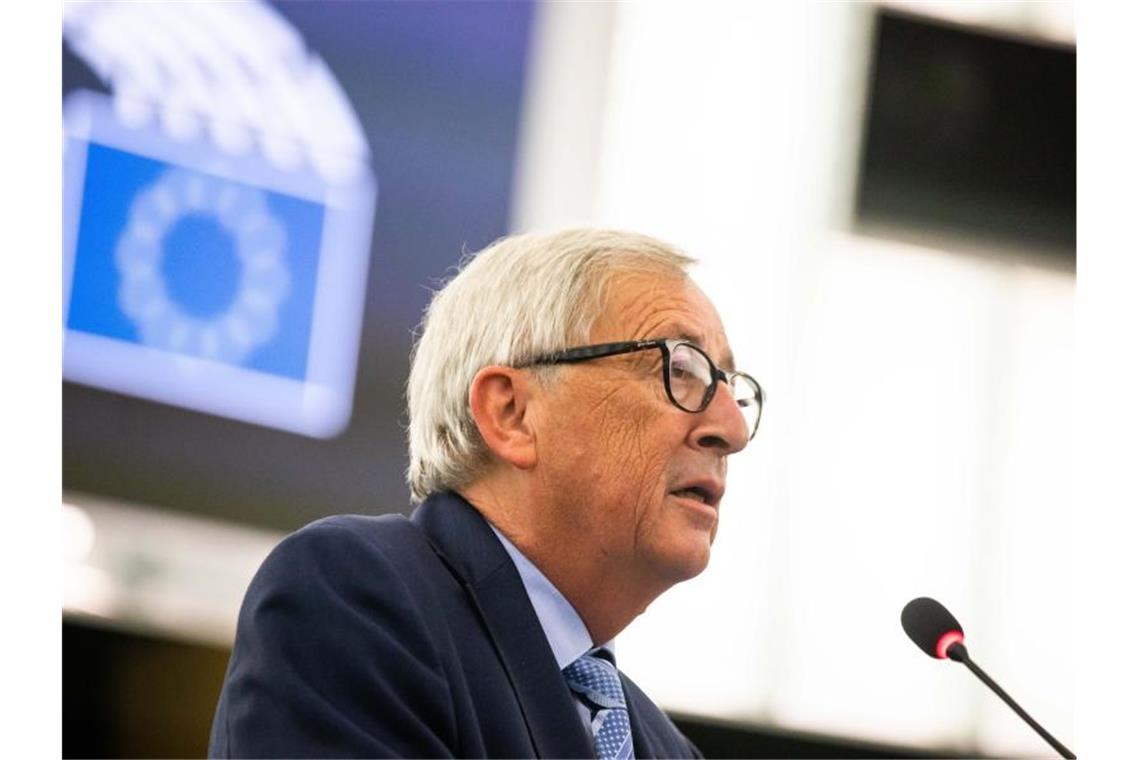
696 493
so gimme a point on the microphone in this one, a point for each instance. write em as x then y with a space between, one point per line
939 634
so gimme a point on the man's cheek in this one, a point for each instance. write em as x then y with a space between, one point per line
639 456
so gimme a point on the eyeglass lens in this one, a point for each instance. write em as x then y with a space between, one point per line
691 375
747 395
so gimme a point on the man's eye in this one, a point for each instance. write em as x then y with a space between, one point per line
679 371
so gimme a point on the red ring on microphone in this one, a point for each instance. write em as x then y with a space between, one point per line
946 640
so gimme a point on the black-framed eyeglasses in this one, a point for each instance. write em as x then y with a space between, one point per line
689 374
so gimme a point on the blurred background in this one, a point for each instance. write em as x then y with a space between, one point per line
883 199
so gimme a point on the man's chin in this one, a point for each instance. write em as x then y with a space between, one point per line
688 560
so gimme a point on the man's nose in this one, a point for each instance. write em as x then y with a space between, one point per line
722 425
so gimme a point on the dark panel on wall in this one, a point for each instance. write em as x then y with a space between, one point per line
972 134
128 695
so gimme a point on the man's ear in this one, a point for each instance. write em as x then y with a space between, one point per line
498 398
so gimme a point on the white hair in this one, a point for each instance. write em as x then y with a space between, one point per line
519 298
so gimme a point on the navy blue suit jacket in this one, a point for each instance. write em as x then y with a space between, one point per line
388 636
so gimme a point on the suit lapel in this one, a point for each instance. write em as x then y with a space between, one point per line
644 743
468 546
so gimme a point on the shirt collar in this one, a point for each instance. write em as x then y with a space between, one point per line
561 623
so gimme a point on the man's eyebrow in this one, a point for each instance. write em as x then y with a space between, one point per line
729 363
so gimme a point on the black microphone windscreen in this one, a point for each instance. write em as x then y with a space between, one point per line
927 623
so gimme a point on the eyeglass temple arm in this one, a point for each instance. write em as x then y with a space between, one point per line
585 353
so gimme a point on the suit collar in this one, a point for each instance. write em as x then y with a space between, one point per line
461 537
466 543
565 632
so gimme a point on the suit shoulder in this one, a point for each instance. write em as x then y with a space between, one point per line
338 627
368 528
359 556
388 536
366 578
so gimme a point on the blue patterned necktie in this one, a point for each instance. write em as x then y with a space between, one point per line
595 681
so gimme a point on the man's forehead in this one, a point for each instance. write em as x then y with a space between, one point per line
646 306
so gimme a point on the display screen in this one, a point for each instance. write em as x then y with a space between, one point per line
238 318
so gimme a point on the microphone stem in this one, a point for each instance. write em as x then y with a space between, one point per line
961 656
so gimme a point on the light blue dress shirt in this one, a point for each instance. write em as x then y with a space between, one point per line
564 629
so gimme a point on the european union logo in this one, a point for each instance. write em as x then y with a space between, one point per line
221 284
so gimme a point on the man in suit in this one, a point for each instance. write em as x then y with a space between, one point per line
572 403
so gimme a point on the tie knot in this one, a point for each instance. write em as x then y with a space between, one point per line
596 679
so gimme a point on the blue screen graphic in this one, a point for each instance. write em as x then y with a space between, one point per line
194 264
